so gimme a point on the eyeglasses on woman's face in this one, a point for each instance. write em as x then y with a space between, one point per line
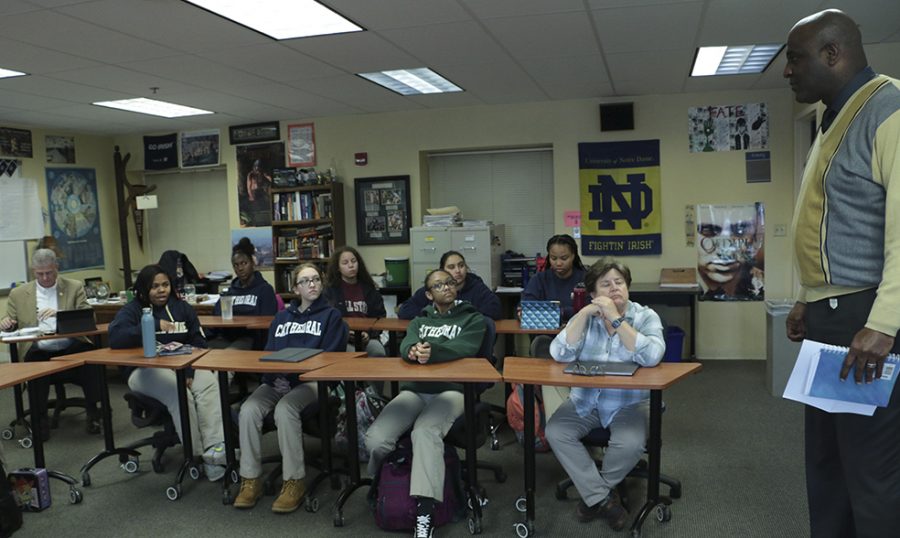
305 282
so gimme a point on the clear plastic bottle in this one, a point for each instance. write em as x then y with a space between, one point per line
148 332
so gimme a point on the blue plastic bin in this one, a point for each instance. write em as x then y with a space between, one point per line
674 344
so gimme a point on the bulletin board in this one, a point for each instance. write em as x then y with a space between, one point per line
15 264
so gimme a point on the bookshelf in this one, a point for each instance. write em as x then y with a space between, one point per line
307 225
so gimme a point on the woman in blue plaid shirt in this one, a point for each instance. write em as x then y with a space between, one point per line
609 329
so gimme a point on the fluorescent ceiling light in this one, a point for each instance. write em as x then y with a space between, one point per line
9 73
153 107
280 19
412 81
740 60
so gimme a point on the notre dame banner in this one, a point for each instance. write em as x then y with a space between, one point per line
620 198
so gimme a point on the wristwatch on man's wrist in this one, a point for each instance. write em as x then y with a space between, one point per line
616 322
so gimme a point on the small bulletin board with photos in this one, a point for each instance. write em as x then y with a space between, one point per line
382 210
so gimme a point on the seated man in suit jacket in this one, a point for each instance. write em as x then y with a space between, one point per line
35 305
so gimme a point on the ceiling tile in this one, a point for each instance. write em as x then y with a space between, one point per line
196 71
494 82
383 14
357 93
26 101
647 28
448 44
68 91
738 22
878 19
488 9
123 80
672 64
355 53
273 61
37 60
537 36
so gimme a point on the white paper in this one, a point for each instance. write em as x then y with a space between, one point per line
21 216
796 388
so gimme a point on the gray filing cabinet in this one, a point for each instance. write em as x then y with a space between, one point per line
480 245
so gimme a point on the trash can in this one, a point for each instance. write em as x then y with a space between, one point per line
674 344
781 353
397 271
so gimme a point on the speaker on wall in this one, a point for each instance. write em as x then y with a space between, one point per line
617 117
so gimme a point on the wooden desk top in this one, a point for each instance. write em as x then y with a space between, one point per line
361 324
549 372
237 322
15 373
396 369
391 324
133 357
654 287
512 326
102 328
233 360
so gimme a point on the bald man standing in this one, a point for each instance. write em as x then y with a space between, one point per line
846 233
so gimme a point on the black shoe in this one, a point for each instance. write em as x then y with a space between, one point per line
92 425
609 509
424 526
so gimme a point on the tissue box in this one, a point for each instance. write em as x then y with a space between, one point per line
31 488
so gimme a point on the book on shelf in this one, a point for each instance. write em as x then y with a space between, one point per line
304 242
678 277
292 206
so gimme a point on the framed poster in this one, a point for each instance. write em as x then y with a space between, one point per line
302 145
75 217
254 132
254 165
382 210
199 148
15 142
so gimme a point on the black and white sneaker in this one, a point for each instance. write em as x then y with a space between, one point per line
424 527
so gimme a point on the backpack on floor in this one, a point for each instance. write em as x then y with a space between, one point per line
368 406
395 509
515 415
10 513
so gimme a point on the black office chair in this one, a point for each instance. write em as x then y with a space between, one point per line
147 412
61 403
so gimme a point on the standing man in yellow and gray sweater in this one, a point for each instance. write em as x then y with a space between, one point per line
846 234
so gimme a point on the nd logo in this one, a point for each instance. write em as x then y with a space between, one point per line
636 207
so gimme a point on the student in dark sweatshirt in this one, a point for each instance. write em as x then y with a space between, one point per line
470 287
350 289
175 321
252 296
308 322
448 330
556 282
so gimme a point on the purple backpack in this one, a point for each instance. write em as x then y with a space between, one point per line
395 509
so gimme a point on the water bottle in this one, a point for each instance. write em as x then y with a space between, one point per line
579 296
148 332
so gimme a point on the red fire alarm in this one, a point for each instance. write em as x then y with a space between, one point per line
361 159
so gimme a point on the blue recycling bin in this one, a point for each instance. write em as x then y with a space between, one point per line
674 344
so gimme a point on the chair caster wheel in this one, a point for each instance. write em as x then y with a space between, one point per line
521 505
474 525
235 477
131 466
173 493
85 479
636 533
75 496
194 472
338 520
561 494
663 513
227 498
311 505
522 530
7 434
25 442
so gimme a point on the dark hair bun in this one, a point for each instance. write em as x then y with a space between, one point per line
245 247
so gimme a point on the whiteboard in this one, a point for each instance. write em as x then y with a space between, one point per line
15 264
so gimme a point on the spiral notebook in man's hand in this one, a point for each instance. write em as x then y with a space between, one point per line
592 368
291 354
823 380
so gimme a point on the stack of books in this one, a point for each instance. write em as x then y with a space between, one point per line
304 243
442 216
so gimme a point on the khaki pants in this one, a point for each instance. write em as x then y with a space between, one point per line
290 429
430 416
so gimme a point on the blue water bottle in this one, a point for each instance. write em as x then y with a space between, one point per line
148 333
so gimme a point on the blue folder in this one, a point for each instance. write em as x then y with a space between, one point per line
826 382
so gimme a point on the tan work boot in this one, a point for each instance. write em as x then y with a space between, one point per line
288 500
251 491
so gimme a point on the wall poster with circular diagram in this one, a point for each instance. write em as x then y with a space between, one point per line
75 217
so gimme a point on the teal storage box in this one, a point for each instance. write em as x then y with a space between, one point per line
674 344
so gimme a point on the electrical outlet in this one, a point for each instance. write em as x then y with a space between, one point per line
780 230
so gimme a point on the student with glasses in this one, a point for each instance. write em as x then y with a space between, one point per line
309 321
469 287
448 330
610 328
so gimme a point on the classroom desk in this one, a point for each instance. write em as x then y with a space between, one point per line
236 322
14 374
650 294
465 371
20 419
530 372
105 312
135 357
231 360
392 326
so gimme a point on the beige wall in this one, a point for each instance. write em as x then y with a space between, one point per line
397 142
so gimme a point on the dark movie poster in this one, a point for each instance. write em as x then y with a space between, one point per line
15 142
256 165
75 217
161 152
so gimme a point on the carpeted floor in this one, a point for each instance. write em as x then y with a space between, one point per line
737 450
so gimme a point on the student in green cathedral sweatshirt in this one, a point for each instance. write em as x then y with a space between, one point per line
449 330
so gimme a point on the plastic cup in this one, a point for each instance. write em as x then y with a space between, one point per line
226 303
190 293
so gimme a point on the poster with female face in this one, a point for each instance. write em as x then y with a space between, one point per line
730 251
